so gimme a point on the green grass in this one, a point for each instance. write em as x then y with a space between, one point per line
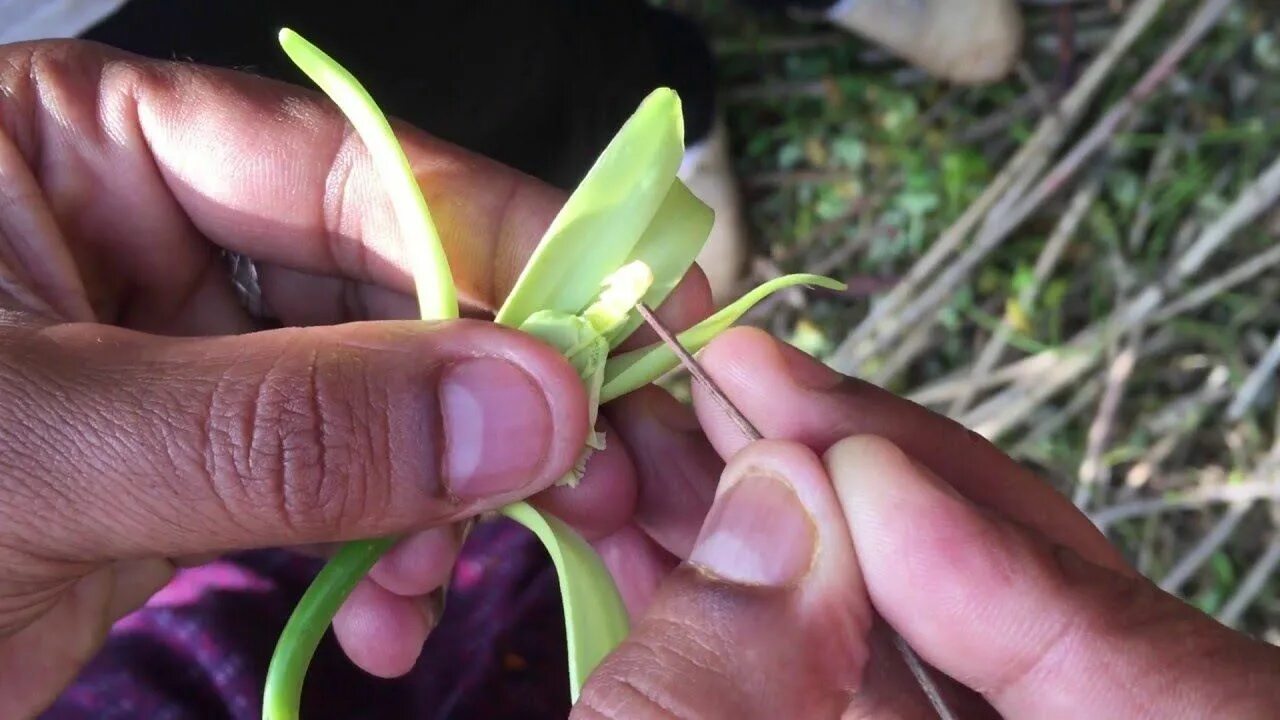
832 149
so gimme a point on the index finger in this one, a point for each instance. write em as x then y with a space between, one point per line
812 404
159 156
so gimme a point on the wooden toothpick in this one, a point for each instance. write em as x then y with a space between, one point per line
700 376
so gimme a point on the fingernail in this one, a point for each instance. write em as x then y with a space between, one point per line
806 371
497 428
872 474
757 533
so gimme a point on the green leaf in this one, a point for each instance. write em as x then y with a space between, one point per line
668 246
595 619
437 298
631 371
603 220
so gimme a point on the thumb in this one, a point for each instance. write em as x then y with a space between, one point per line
769 618
1034 627
119 444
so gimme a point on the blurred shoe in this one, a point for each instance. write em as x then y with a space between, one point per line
44 19
964 41
708 171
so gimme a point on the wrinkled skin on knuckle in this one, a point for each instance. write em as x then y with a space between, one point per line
670 670
35 396
305 436
712 650
32 508
1145 649
1161 634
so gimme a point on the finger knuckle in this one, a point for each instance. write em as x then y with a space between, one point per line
623 698
35 441
670 670
1093 611
305 439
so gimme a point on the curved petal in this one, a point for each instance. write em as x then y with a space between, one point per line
631 371
601 222
595 619
437 299
669 246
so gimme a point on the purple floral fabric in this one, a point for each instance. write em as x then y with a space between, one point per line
200 648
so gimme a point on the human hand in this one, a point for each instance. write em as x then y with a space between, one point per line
143 422
865 506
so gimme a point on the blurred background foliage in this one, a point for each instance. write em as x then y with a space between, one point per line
1122 336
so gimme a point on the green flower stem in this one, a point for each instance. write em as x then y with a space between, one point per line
437 299
309 621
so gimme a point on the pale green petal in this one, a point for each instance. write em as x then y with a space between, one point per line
587 351
595 619
669 246
631 371
595 231
436 296
617 300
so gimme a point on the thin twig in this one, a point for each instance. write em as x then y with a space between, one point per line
1175 423
1159 169
1027 163
1002 412
1091 470
1206 547
1202 293
1055 421
1106 127
699 375
999 226
1050 254
911 346
1261 374
1253 583
1248 491
998 122
923 678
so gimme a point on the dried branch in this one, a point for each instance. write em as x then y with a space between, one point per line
1252 585
1262 373
1248 491
881 328
1048 259
1100 429
1000 413
1206 547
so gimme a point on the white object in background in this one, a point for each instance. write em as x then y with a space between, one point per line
964 41
708 172
41 19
